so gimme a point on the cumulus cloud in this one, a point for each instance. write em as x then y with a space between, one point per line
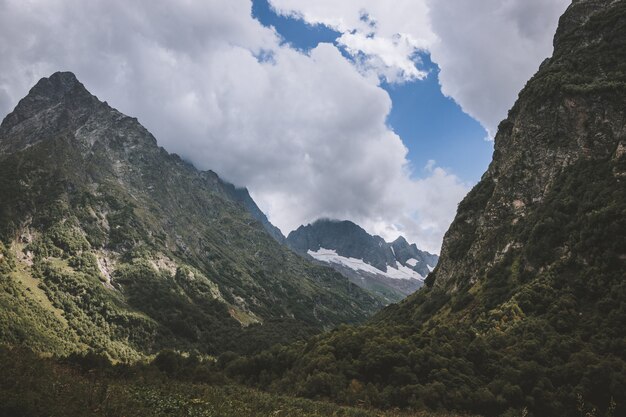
382 38
486 50
430 205
306 132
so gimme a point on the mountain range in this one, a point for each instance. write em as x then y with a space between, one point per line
113 244
390 270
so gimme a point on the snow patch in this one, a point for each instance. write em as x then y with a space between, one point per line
403 272
331 256
412 262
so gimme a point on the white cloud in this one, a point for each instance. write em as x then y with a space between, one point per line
382 37
429 206
306 133
486 49
389 58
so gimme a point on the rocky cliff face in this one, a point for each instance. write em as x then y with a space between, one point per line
390 270
569 115
407 253
128 249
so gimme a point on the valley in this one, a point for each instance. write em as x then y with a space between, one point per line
134 283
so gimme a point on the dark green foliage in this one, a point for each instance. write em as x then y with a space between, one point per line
67 236
463 226
88 385
600 69
86 263
461 300
7 260
518 338
196 318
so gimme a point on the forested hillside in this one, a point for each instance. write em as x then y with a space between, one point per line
109 243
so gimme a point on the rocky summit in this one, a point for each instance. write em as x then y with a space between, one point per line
390 270
113 244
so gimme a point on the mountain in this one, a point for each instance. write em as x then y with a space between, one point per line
242 196
389 270
408 254
108 242
525 313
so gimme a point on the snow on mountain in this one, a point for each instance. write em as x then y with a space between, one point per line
331 256
391 270
411 262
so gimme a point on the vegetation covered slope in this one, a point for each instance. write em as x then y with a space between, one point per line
526 309
89 386
111 243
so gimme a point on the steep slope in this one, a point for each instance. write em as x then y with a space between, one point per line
368 261
242 196
525 313
112 243
569 118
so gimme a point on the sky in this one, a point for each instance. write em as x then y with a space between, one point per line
429 123
350 110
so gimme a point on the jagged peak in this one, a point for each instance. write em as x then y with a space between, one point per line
47 93
400 241
57 85
336 222
323 220
61 103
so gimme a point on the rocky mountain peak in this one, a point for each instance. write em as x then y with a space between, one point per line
391 270
400 241
59 88
347 238
57 85
56 106
61 108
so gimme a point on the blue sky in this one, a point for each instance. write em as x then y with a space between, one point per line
432 126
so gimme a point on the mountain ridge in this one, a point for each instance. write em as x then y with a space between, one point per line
59 85
127 249
390 270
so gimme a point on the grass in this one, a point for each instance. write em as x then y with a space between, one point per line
32 290
35 386
206 400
